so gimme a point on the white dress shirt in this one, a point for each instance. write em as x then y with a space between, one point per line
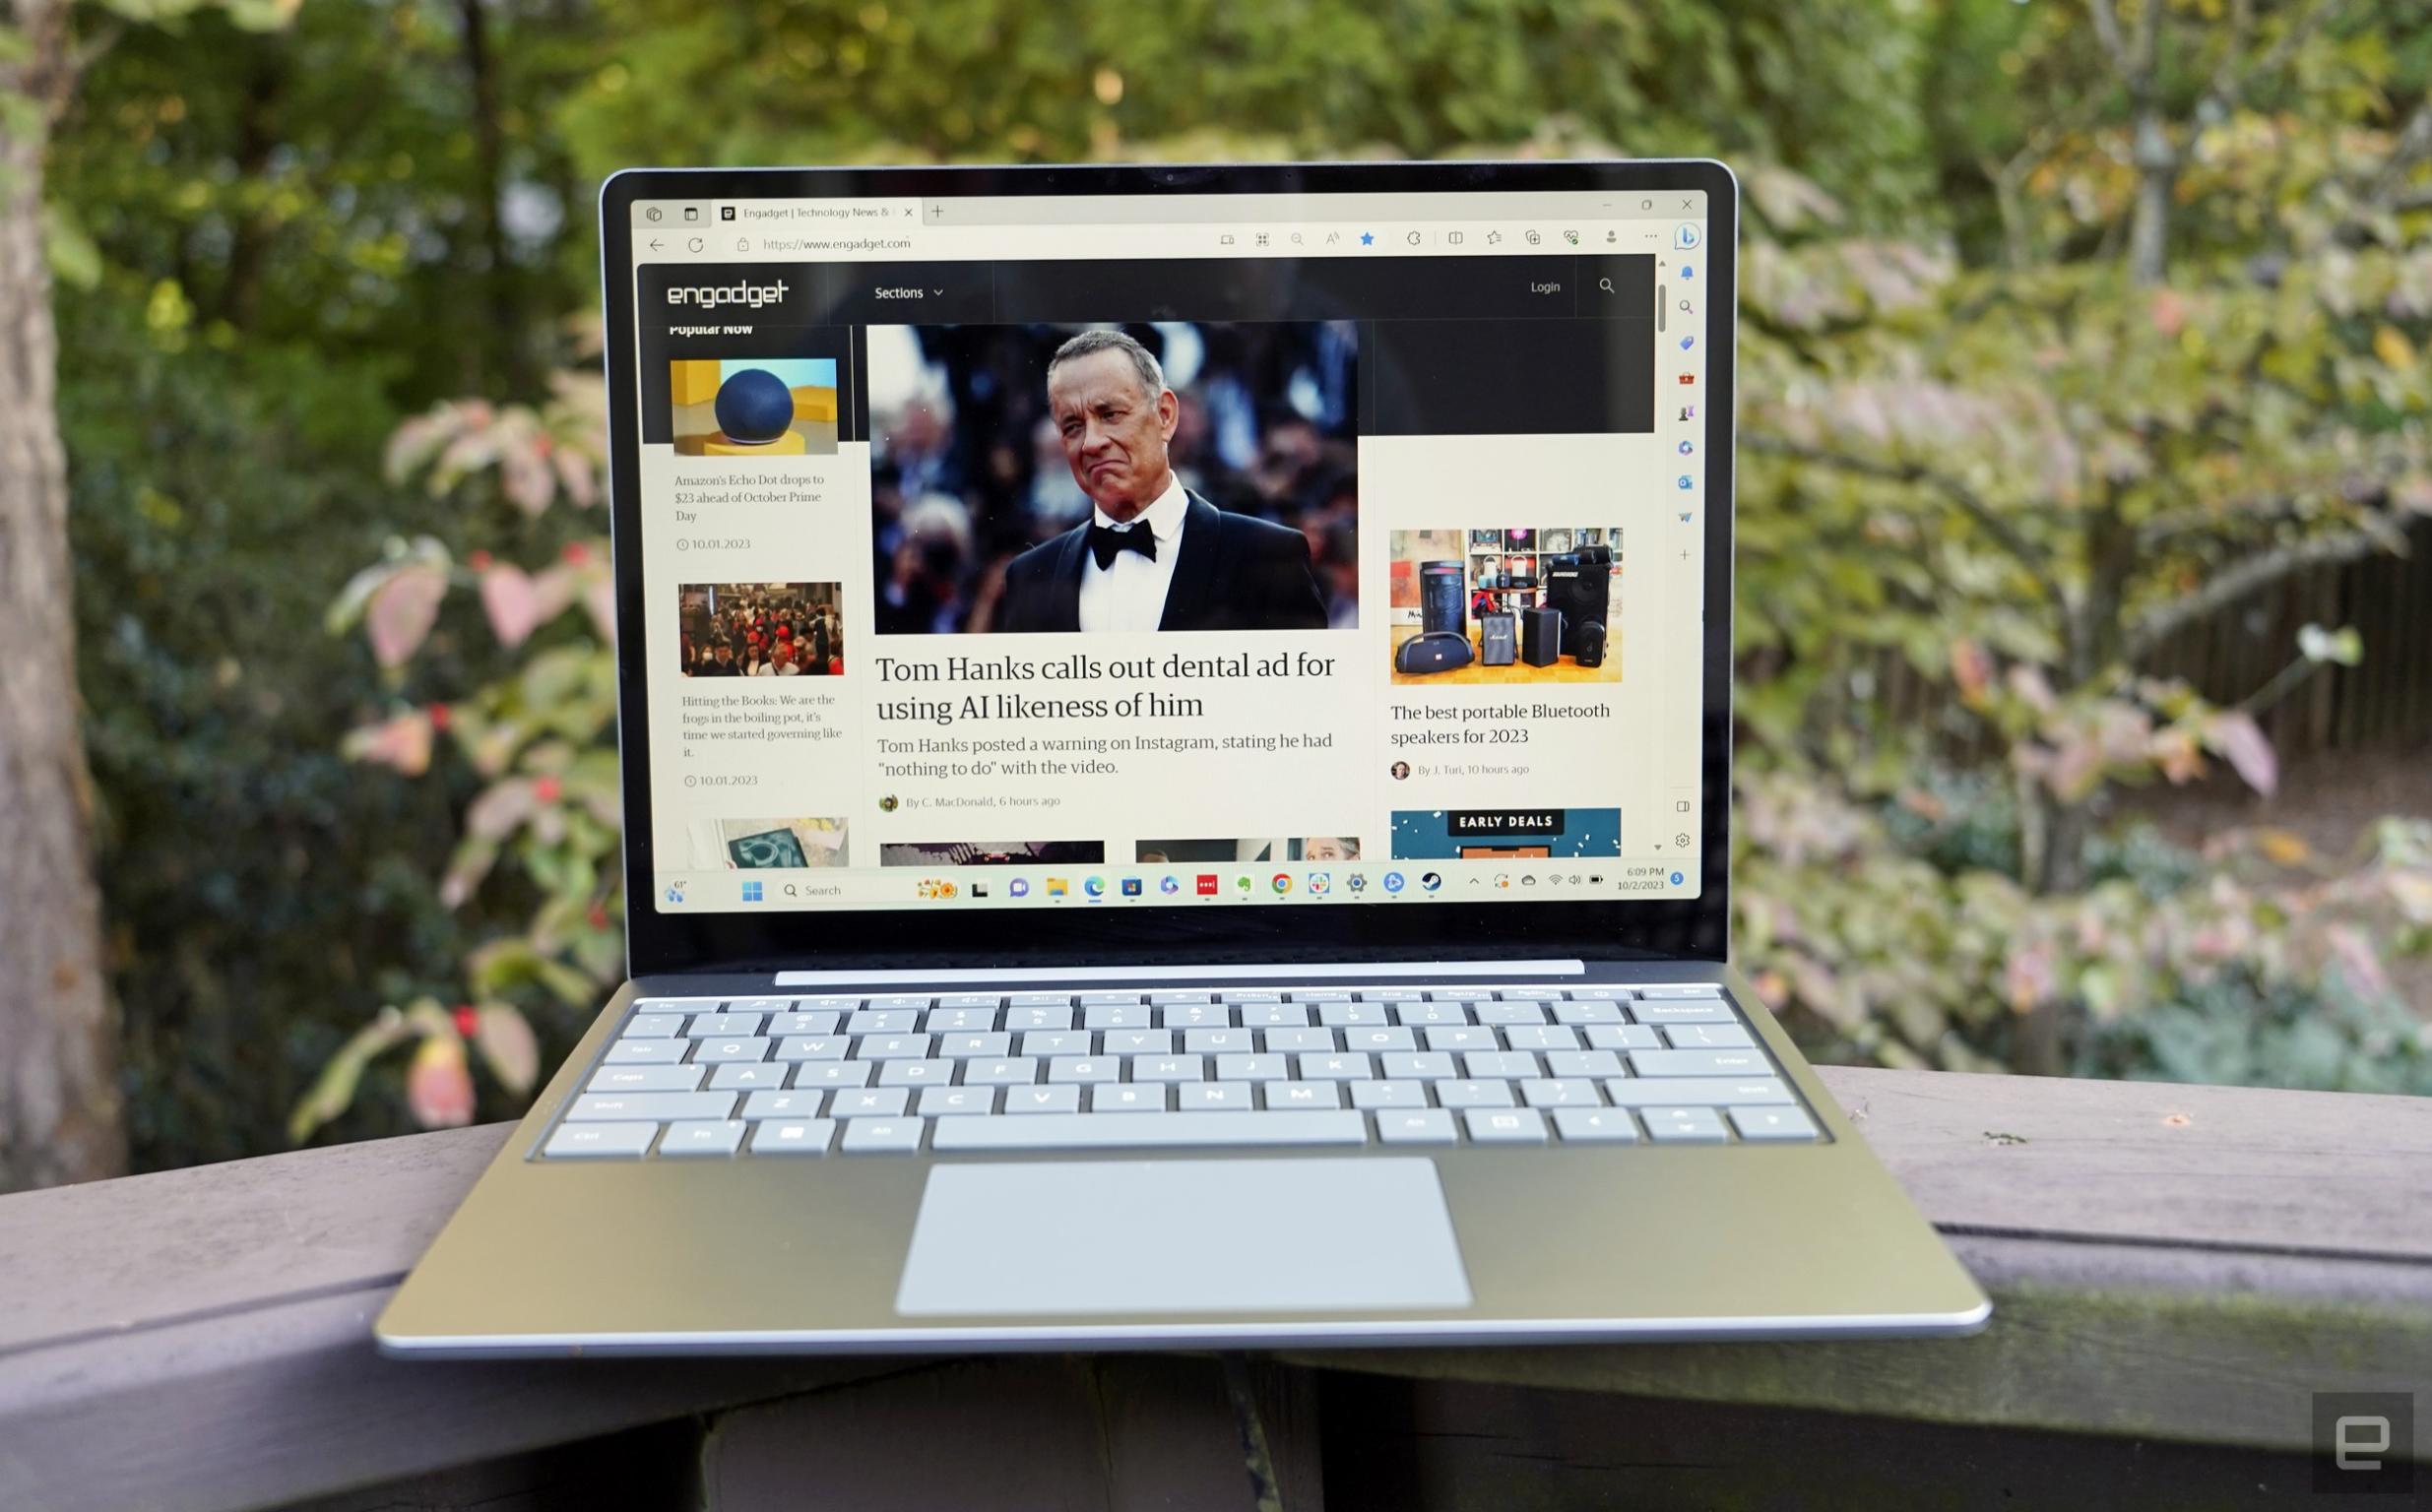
1130 593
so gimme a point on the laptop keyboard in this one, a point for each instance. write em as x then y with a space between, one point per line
1287 1068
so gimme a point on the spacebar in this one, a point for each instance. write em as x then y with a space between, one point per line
1107 1131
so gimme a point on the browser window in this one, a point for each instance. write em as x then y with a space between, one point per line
1171 552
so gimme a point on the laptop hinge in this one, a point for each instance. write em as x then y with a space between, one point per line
1303 972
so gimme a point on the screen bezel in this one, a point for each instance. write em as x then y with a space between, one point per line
659 941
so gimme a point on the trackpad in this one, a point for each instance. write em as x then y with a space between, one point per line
1182 1236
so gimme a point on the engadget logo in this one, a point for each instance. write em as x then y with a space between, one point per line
753 294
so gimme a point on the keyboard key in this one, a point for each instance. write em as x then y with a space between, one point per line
1353 1015
645 1052
895 1047
652 1026
1596 1126
942 1101
1084 1068
780 1104
1582 1063
813 1048
1711 1010
1621 1037
1196 1016
1168 1068
1711 1092
883 1020
1302 1094
1057 1042
1319 995
1040 1000
1042 1099
788 1025
1374 1097
1212 1096
1510 1013
916 1073
1167 1131
1274 1015
681 1007
1452 1037
1417 1126
598 1141
1744 1063
1683 1125
1219 1042
793 1136
1251 1068
723 1026
1472 1094
1541 1036
1294 1040
1502 1065
1588 1013
1761 1125
646 1079
655 1106
1132 1015
868 1103
1018 1071
1368 1040
1021 1019
1599 995
1518 1126
1424 1066
1135 1041
990 1001
898 1002
1573 1092
1389 995
1426 1015
745 1076
959 1021
1107 1000
712 1139
1248 995
1128 1097
1680 993
1334 1068
1708 1037
1173 999
975 1046
712 1052
834 1073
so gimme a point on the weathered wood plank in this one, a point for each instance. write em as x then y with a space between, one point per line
2180 1262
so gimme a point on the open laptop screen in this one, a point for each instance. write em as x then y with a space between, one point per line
1174 551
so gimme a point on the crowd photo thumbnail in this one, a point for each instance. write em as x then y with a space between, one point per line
1030 478
761 629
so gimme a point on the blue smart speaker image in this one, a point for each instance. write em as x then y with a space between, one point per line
755 406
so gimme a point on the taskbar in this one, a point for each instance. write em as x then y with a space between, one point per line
1469 879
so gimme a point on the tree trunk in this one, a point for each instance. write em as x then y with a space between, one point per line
59 1107
2157 181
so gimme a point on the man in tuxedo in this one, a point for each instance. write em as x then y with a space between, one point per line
1154 555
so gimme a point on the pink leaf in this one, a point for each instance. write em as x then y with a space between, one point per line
403 742
439 1085
2241 740
600 599
501 809
512 603
507 1043
402 612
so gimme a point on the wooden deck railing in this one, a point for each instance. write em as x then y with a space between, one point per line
2175 1271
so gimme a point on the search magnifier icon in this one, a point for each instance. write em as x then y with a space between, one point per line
1691 308
790 891
1606 284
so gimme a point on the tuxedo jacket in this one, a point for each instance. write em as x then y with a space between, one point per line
1235 573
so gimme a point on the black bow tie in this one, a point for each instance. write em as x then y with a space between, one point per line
1107 544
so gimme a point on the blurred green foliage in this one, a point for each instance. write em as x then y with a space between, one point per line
280 248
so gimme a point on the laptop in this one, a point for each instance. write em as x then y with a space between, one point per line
1063 909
